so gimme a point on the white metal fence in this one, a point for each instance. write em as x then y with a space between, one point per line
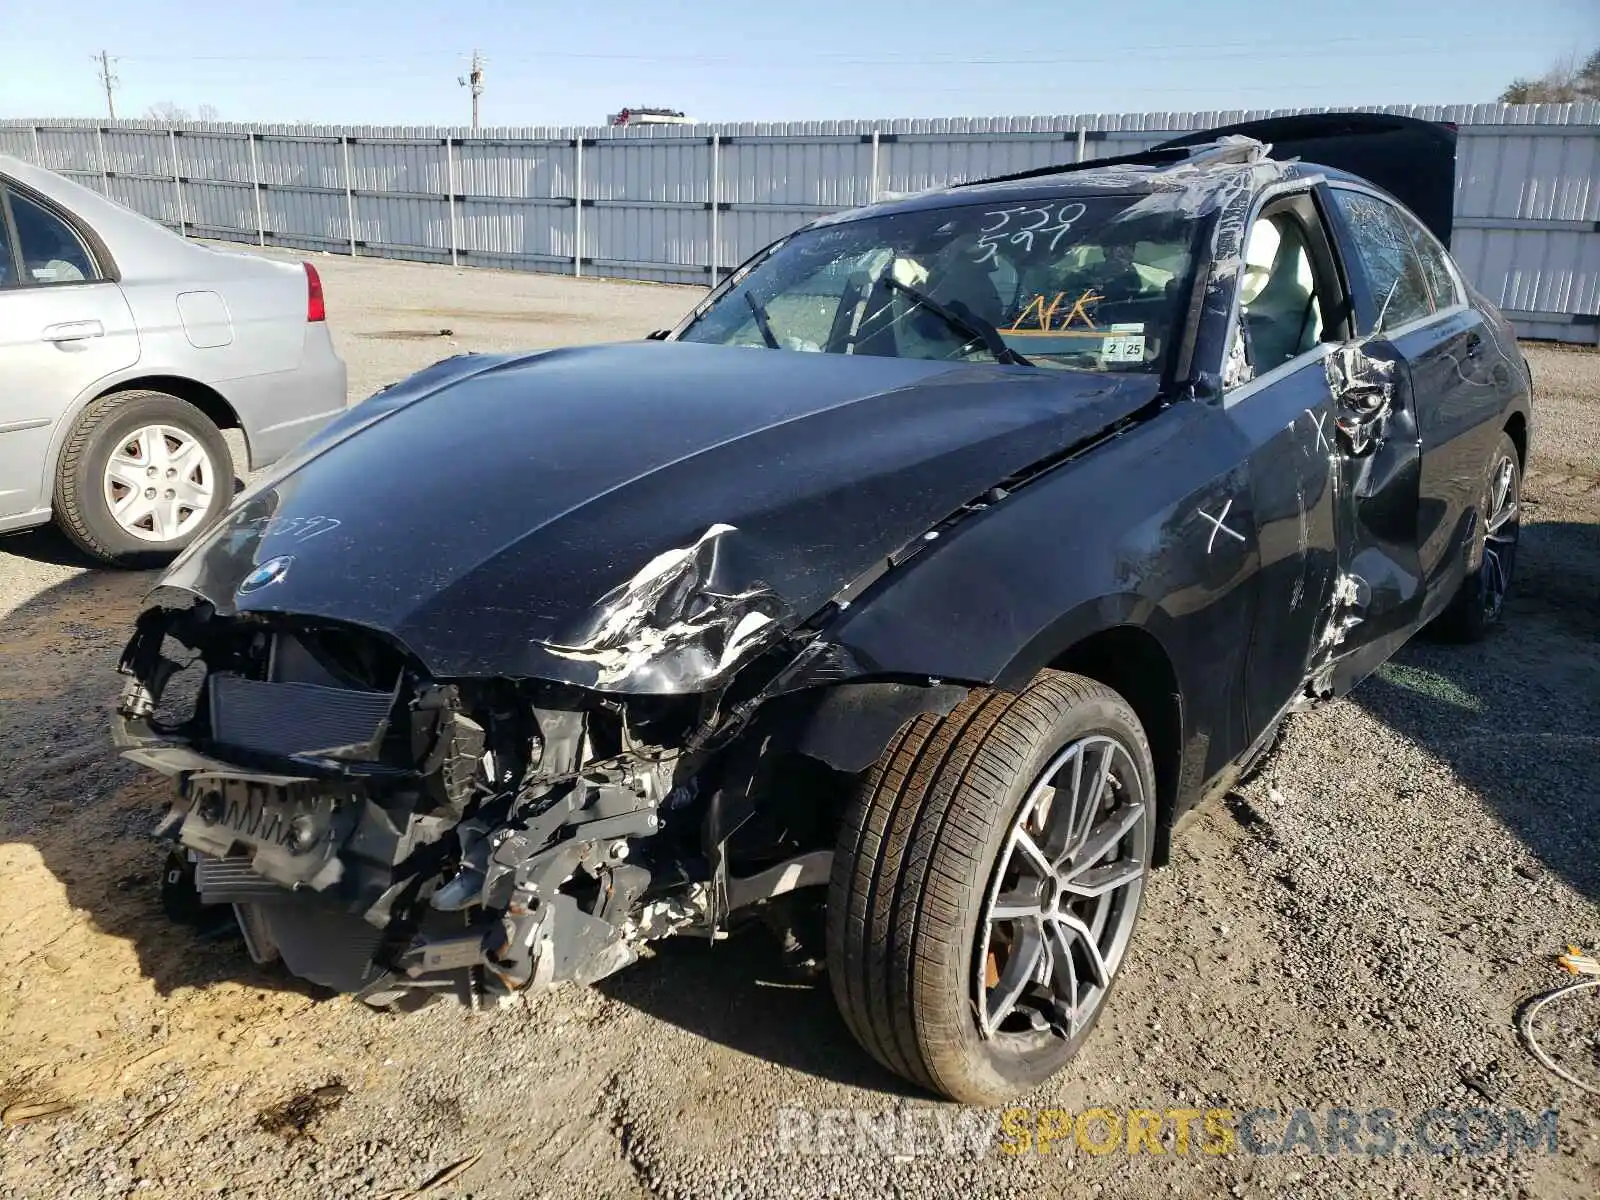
685 203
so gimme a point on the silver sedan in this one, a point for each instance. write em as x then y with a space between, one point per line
124 350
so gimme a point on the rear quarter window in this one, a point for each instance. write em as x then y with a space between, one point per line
49 249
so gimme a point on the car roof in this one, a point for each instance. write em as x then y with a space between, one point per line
1115 177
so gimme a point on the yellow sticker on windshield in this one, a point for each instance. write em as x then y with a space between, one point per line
1047 314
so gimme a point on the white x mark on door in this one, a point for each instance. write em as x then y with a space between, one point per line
1218 526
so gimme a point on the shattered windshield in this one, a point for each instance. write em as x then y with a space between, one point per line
1092 283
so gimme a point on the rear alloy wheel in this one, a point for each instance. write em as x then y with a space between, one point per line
1481 601
986 886
141 475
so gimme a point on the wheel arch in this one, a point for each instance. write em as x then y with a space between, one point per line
1516 427
203 396
847 725
210 403
1131 661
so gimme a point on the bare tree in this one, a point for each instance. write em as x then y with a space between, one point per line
1566 81
166 110
173 114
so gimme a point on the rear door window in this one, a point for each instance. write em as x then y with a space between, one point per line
1400 292
50 250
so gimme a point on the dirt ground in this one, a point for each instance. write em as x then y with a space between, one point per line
1354 929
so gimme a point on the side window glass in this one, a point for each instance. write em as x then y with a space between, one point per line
8 275
50 251
1399 287
1441 284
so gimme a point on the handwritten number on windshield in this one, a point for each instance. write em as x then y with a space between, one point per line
1031 220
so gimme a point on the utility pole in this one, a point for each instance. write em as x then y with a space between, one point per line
473 82
107 80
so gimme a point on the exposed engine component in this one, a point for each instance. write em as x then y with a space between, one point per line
390 835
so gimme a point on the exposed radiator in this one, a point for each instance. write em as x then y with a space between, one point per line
294 718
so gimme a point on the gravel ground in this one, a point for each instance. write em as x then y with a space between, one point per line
1353 929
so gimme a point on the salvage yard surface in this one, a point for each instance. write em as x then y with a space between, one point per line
1354 929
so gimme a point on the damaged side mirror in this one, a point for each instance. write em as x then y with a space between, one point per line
1363 391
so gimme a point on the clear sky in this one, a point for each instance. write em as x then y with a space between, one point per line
396 61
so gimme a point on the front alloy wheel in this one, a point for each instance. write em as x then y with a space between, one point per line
986 884
1065 895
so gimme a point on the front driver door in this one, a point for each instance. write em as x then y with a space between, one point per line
63 327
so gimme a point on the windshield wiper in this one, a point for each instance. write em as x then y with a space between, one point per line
762 323
974 328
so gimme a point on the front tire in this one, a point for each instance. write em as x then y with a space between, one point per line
141 475
1480 603
988 878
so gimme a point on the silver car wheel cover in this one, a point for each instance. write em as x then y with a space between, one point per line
158 483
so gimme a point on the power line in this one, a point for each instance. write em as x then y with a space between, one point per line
108 80
473 81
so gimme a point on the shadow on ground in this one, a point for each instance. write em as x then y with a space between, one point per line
67 797
738 993
43 545
1517 716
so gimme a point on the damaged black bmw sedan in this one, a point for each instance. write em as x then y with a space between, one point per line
913 586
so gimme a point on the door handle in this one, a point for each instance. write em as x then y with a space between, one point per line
73 331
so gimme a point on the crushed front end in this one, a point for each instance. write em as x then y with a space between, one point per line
397 836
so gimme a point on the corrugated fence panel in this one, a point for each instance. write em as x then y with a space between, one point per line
17 141
496 168
132 151
676 203
301 162
914 163
649 237
69 150
307 220
502 233
831 174
155 198
1533 270
656 170
393 223
214 157
414 168
1549 176
220 210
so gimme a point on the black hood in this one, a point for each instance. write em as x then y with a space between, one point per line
574 514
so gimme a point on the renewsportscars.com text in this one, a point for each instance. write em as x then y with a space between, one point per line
1178 1131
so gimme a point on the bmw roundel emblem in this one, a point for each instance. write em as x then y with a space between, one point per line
268 572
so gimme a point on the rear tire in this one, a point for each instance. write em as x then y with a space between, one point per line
921 956
1480 603
172 447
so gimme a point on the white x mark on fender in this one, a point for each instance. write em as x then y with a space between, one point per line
1218 526
1322 434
